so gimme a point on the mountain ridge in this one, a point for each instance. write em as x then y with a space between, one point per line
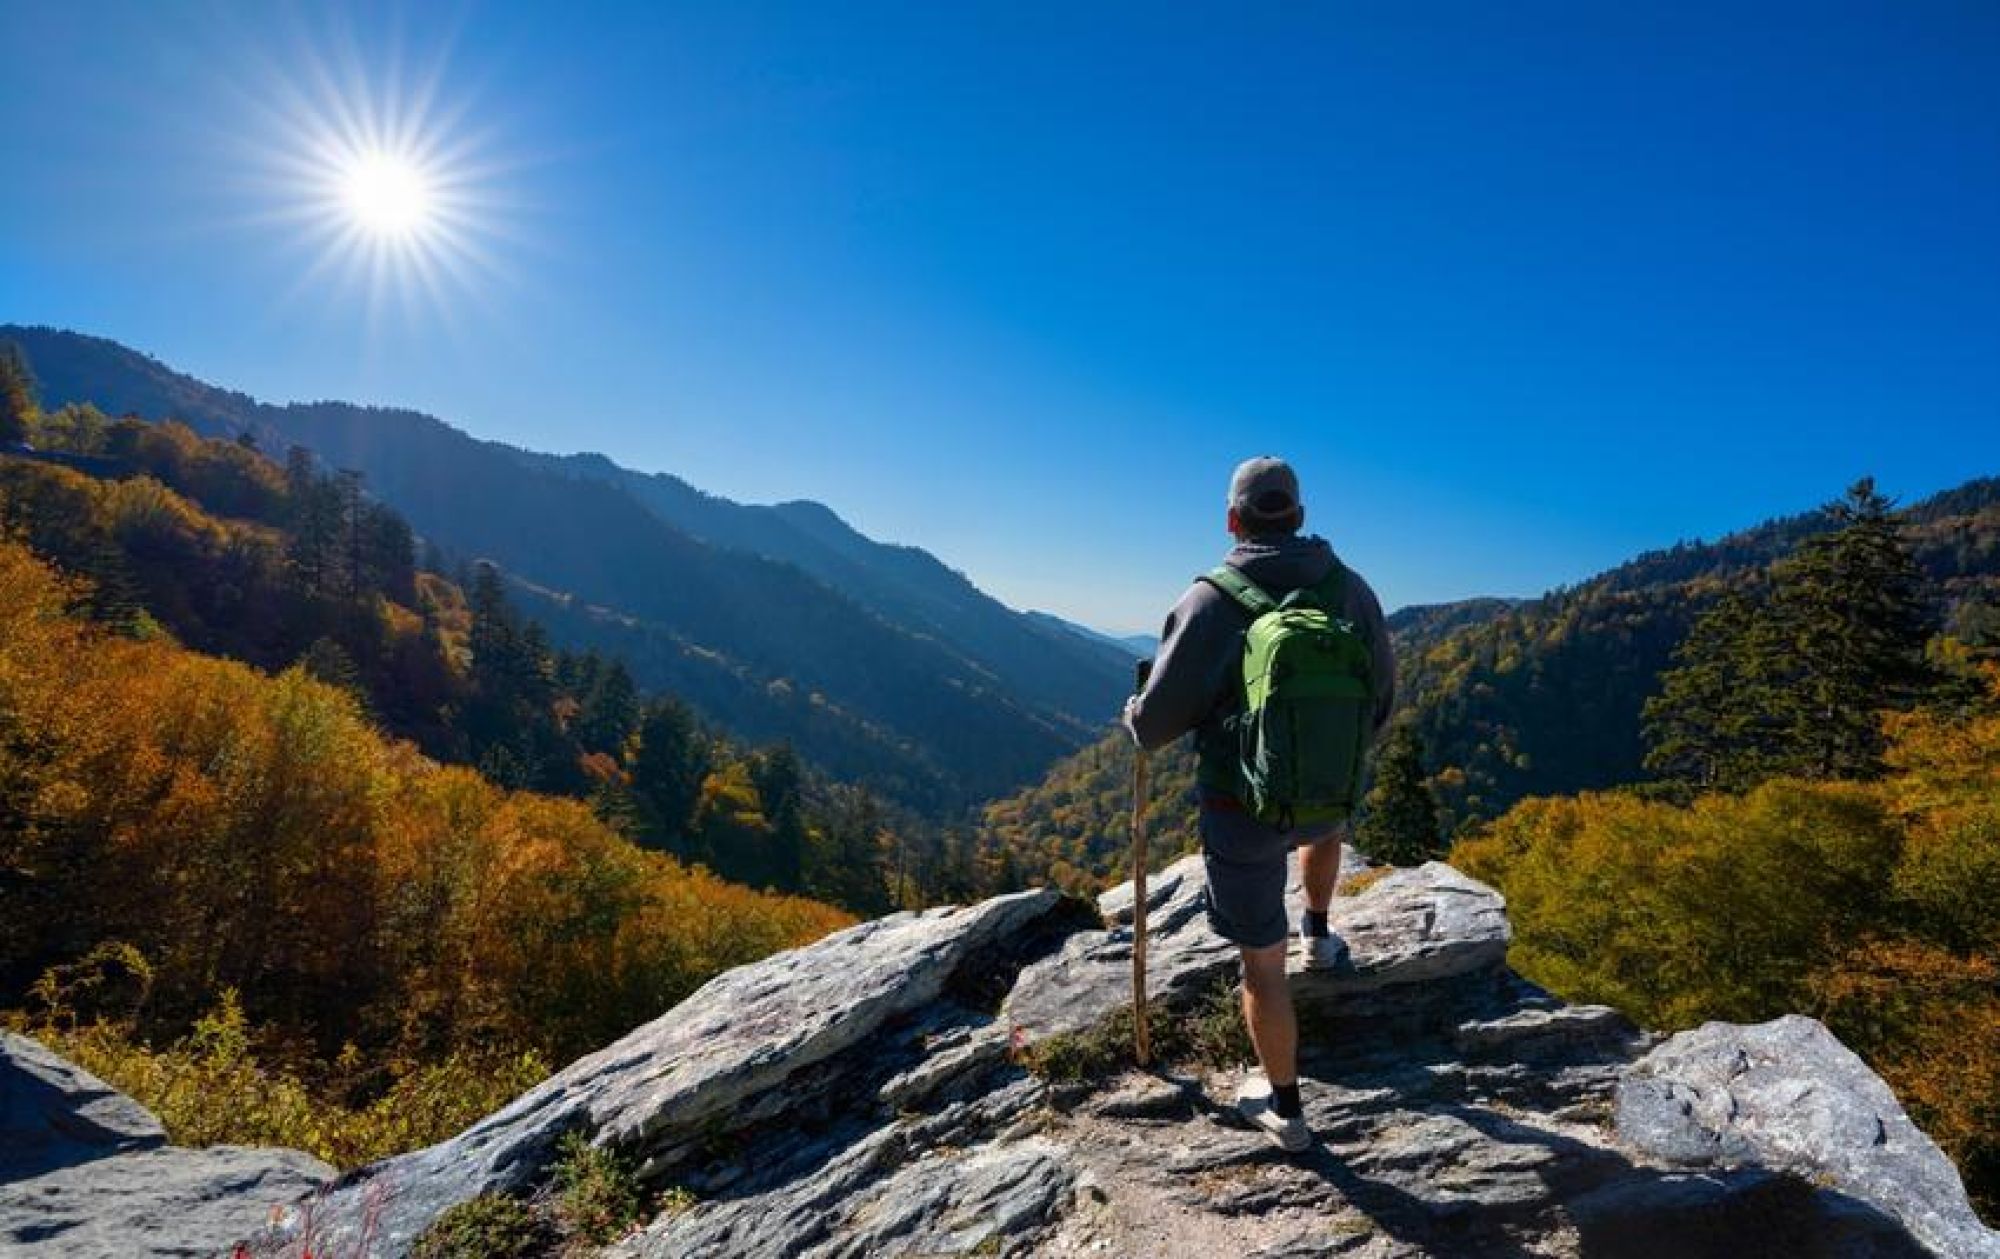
795 619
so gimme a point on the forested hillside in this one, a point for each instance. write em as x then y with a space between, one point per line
1546 697
227 889
778 622
212 878
313 573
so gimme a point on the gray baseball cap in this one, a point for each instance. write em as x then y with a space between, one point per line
1264 490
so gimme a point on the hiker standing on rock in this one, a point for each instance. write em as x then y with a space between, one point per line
1282 719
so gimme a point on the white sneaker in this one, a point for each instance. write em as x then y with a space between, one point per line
1328 952
1253 1102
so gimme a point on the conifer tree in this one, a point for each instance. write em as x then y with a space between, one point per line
1712 727
846 862
609 703
315 521
329 662
668 767
1400 823
1850 605
1796 684
352 509
780 784
391 554
17 396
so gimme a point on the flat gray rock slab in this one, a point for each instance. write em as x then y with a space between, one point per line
54 1114
158 1202
720 1059
992 1200
932 1184
1091 977
1787 1095
1413 926
85 1171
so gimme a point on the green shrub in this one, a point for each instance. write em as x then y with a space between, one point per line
210 1088
487 1227
597 1192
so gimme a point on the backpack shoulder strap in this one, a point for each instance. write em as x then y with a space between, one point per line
1247 594
1330 594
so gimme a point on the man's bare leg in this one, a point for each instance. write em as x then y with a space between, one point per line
1319 870
1267 1009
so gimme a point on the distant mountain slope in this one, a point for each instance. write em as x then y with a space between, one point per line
1136 647
782 621
1544 696
1427 622
906 584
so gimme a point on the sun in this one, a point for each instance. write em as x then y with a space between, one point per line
389 195
396 197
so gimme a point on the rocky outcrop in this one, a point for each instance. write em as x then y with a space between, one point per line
871 1095
1786 1095
752 1055
86 1171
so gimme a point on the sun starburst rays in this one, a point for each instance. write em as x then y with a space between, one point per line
392 197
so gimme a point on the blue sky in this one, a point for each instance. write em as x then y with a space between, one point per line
1521 289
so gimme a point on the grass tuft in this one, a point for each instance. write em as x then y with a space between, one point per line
1205 1031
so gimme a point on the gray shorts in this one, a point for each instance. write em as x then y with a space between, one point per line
1248 865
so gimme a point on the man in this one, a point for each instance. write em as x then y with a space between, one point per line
1196 683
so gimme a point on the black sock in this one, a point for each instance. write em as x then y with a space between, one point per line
1316 923
1285 1100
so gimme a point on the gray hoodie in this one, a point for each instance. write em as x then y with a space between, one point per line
1195 682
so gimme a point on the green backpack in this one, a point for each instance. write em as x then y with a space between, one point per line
1308 703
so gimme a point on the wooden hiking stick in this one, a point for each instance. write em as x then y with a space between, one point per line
1142 1043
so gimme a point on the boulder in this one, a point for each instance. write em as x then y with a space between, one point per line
54 1114
1426 927
85 1171
161 1202
748 1049
1786 1095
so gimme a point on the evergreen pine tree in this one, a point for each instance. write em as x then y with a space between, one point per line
609 702
671 761
780 784
314 519
846 860
17 396
1796 684
1400 823
352 525
1850 607
329 662
390 563
1714 724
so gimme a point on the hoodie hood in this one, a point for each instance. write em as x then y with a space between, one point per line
1282 564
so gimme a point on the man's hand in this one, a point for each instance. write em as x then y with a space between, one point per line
1127 717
